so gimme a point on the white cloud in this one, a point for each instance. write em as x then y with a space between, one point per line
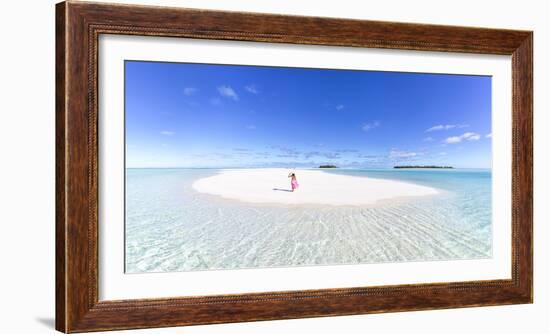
489 135
370 126
446 127
167 133
395 154
428 139
251 127
251 89
227 91
340 107
453 140
473 136
188 91
470 136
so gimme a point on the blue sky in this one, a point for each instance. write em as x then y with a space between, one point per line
199 115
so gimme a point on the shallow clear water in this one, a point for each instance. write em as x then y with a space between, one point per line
171 227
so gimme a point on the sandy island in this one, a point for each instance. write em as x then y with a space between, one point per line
316 187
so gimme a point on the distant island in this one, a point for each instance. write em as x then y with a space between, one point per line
419 166
328 166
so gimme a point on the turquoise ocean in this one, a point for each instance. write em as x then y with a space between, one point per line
171 227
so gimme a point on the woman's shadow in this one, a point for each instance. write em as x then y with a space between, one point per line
279 189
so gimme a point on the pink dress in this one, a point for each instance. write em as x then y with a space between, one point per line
294 183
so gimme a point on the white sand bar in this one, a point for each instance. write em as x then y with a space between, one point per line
316 187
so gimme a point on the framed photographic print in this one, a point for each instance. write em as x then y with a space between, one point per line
221 167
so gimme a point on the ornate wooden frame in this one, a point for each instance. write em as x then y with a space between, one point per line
78 25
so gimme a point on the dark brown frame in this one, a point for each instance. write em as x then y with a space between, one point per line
78 25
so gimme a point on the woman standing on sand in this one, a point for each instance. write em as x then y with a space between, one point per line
293 182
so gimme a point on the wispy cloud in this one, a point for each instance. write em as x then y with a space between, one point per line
428 139
453 140
167 133
470 136
252 89
339 107
287 151
398 154
371 159
227 91
369 156
370 126
326 155
446 127
346 150
251 127
310 154
188 91
489 135
331 155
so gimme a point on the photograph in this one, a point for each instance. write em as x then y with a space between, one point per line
241 167
275 167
